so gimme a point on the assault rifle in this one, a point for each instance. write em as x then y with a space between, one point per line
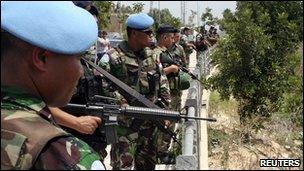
108 113
168 59
135 97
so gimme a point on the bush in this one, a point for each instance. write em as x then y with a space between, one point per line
253 59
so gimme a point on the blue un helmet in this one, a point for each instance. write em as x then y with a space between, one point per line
59 27
140 21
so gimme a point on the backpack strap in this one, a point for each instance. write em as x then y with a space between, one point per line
23 137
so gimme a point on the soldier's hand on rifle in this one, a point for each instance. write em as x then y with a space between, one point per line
171 69
82 124
87 124
167 123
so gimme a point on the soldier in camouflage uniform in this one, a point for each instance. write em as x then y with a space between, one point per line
165 39
187 44
83 123
134 63
40 69
177 52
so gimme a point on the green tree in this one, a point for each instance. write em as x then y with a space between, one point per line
164 17
191 18
228 17
125 11
138 7
253 59
207 17
105 9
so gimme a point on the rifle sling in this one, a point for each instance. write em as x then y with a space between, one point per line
133 93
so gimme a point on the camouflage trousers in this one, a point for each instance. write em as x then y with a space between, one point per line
135 149
163 144
176 100
163 139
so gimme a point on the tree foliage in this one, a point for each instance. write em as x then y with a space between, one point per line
207 17
191 18
124 11
253 59
105 9
138 7
164 17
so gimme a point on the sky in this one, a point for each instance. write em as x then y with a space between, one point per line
175 7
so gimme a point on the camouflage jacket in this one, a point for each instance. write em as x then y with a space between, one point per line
173 79
30 138
139 71
185 39
177 51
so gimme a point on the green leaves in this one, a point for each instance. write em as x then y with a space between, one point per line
164 17
138 7
105 9
253 58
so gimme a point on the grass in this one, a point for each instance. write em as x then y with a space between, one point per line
217 105
227 135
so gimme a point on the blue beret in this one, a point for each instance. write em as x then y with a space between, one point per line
140 21
59 27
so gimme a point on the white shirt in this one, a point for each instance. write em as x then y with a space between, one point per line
102 45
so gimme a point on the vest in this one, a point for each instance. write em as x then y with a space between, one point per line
22 139
139 71
172 78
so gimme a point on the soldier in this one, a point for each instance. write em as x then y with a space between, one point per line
201 43
166 41
134 63
178 53
176 49
187 44
212 39
40 67
89 84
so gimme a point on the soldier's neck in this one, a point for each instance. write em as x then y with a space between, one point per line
134 46
160 44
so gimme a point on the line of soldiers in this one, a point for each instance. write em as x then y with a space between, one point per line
201 42
138 63
41 66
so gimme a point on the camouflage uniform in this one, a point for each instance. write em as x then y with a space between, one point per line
188 50
163 139
30 140
177 52
135 146
97 140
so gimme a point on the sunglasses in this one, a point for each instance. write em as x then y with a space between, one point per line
147 32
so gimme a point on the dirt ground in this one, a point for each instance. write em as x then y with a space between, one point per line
227 150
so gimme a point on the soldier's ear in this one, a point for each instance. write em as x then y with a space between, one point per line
42 57
38 59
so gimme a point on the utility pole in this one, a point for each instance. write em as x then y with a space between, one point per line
118 6
197 14
183 12
151 6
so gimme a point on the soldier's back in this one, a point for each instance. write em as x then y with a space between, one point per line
26 129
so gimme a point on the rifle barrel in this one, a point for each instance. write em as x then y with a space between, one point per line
197 118
136 112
